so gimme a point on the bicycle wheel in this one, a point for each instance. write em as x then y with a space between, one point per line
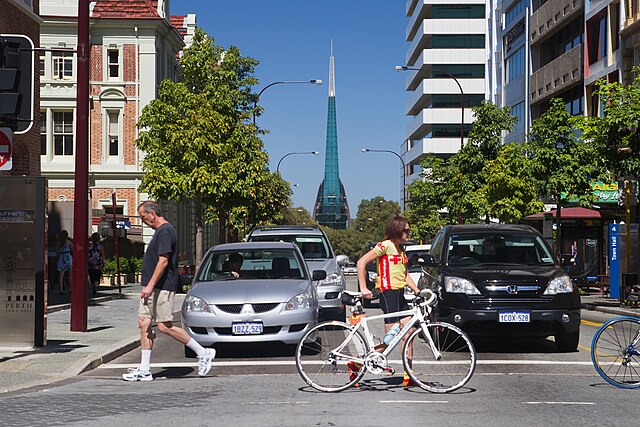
613 355
452 370
324 352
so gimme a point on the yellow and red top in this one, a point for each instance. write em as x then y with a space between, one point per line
392 267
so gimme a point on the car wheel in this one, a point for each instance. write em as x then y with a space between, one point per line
189 353
567 342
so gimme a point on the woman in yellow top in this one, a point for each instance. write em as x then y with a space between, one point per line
392 274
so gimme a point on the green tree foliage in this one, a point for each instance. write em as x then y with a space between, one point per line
509 189
200 145
615 135
295 216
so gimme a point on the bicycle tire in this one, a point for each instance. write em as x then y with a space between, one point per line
455 367
315 361
610 355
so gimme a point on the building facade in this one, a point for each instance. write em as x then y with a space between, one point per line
20 17
134 46
448 45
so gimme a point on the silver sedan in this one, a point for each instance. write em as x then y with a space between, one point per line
251 292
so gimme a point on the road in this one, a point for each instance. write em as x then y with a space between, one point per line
521 383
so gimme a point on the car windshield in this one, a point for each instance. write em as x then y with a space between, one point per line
251 264
312 247
468 249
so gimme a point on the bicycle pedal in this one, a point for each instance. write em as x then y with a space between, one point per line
390 370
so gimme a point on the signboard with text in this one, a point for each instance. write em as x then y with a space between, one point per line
6 137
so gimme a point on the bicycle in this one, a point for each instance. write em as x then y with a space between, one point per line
615 352
334 355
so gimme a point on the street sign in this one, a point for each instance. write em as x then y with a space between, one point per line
6 136
123 224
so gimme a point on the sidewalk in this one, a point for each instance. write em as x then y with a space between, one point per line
112 332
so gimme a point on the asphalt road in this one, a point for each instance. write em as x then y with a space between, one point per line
522 383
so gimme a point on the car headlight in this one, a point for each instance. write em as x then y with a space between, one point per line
195 304
331 279
559 285
298 302
457 285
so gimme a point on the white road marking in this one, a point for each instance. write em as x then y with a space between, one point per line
292 363
559 403
414 401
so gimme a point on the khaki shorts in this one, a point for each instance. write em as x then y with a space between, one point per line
159 307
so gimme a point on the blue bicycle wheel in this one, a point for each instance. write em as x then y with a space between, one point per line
614 352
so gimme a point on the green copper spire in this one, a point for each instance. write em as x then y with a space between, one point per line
331 207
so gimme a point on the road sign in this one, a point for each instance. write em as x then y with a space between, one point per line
123 224
6 136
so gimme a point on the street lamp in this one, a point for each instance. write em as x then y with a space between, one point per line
255 102
404 171
315 153
403 68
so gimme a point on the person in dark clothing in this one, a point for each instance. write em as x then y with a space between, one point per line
160 282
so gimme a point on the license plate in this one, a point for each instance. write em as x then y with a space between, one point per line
249 328
514 317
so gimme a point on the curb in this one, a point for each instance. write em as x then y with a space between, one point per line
92 361
619 311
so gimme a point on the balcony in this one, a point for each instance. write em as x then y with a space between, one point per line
552 15
557 76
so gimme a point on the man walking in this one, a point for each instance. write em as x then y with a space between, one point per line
160 282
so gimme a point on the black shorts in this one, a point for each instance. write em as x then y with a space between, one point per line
392 301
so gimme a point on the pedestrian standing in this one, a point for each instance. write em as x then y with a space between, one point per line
392 278
160 282
64 264
95 260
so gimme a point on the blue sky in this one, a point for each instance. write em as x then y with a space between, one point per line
291 39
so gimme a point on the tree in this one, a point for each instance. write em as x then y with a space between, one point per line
373 216
561 161
615 134
295 216
200 145
510 189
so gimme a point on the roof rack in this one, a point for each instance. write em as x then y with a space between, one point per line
275 227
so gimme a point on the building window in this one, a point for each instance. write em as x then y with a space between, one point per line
62 133
459 71
43 133
518 112
513 12
458 41
112 133
62 66
515 65
476 11
455 101
113 63
597 38
448 131
41 64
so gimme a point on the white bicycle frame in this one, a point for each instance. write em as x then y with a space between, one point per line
417 318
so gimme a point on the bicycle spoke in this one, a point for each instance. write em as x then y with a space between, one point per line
612 354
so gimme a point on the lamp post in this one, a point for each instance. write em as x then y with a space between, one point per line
315 153
255 102
403 68
404 171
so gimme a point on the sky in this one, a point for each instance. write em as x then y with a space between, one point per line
291 39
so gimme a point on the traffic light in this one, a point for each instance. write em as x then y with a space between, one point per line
16 82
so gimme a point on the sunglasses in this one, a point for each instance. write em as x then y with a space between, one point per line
406 230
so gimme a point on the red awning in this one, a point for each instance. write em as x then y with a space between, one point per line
568 213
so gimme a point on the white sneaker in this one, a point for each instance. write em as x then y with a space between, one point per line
135 374
204 362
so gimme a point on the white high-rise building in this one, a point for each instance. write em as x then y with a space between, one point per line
446 58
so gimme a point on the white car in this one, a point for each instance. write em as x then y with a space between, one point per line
413 253
350 270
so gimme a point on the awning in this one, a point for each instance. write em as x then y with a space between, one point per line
567 213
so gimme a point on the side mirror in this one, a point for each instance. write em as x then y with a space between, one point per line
342 260
319 275
427 261
567 261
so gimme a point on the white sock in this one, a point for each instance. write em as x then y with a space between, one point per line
197 348
145 361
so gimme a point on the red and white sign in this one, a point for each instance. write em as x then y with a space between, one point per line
6 136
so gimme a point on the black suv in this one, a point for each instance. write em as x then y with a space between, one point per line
503 280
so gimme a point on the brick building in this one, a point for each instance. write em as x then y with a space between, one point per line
134 46
20 17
